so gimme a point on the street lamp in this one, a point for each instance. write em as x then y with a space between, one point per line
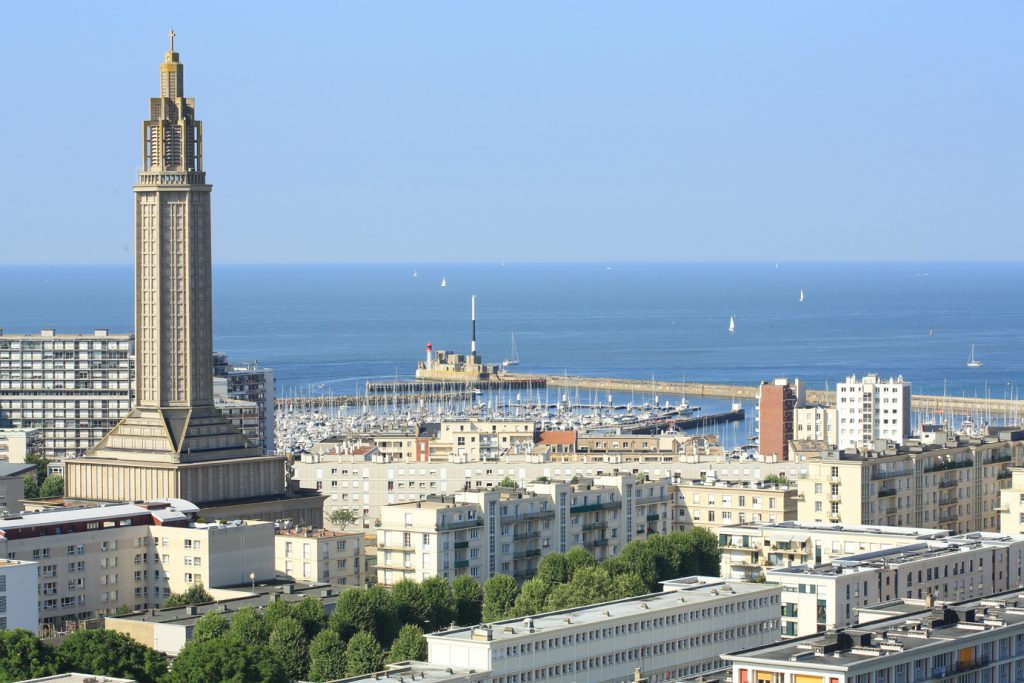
252 577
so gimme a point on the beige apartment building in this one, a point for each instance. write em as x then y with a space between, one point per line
320 556
815 423
712 503
748 550
95 560
1011 504
944 481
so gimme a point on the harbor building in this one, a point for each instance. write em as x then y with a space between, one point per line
776 402
816 423
957 568
334 558
749 550
711 503
94 560
943 480
681 631
255 384
870 409
445 366
175 443
1011 504
19 595
73 388
974 641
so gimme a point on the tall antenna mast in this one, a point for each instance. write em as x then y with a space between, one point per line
472 315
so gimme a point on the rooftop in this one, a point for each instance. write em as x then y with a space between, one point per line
826 527
14 469
307 532
419 671
164 510
79 678
693 590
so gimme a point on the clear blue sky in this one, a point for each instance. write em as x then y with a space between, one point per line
536 131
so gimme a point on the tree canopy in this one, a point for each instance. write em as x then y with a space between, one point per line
109 653
195 595
409 645
364 655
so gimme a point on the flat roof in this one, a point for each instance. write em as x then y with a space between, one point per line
14 469
827 527
176 509
695 589
419 671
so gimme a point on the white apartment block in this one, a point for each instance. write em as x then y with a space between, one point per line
16 444
318 555
94 560
682 631
712 503
817 598
816 423
72 387
748 550
976 641
870 409
19 591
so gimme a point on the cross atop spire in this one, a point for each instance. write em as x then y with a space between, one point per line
171 36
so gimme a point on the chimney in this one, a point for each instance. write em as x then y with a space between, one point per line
929 600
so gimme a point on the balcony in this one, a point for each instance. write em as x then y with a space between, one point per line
520 554
525 535
596 543
594 507
459 545
653 518
590 526
461 524
946 483
949 465
460 564
835 498
666 498
941 673
538 514
885 492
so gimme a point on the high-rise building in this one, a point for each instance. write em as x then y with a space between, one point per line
74 388
871 408
776 402
250 382
174 442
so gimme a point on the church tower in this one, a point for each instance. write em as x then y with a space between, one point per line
174 442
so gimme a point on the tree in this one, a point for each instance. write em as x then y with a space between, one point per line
247 627
500 593
31 486
383 615
310 613
225 659
274 612
327 656
532 597
42 464
364 655
409 645
289 646
110 653
507 483
52 487
440 600
195 595
627 585
576 558
342 518
23 656
553 569
351 614
709 553
469 598
209 626
638 558
410 603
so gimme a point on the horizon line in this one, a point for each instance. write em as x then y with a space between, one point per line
582 262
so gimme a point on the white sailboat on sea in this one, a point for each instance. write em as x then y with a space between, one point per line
513 358
444 282
415 274
973 362
801 295
732 324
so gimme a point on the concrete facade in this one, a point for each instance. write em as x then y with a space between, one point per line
19 595
317 555
871 408
776 402
711 503
816 423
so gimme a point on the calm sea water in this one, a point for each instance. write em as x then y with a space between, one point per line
338 325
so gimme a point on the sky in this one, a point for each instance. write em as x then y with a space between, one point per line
528 131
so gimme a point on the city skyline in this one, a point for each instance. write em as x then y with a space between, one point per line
785 133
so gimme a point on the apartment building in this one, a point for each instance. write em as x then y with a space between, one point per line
17 444
872 408
681 631
975 641
72 387
776 403
19 591
712 503
816 423
253 384
1011 504
943 480
486 532
957 568
748 550
12 485
318 555
94 560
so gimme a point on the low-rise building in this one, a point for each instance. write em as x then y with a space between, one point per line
93 561
19 595
681 631
319 555
976 641
12 485
712 503
17 444
957 568
750 549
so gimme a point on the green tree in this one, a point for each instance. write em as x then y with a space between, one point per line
628 585
247 627
23 656
226 660
275 611
351 614
639 558
576 558
709 553
364 655
327 656
342 518
209 626
507 483
31 486
440 598
532 597
410 603
553 569
469 598
500 593
195 595
42 464
383 615
52 487
109 653
409 645
288 645
310 613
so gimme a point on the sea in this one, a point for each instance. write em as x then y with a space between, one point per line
330 328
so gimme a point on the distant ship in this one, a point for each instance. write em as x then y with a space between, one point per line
444 283
732 324
801 295
415 274
973 362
